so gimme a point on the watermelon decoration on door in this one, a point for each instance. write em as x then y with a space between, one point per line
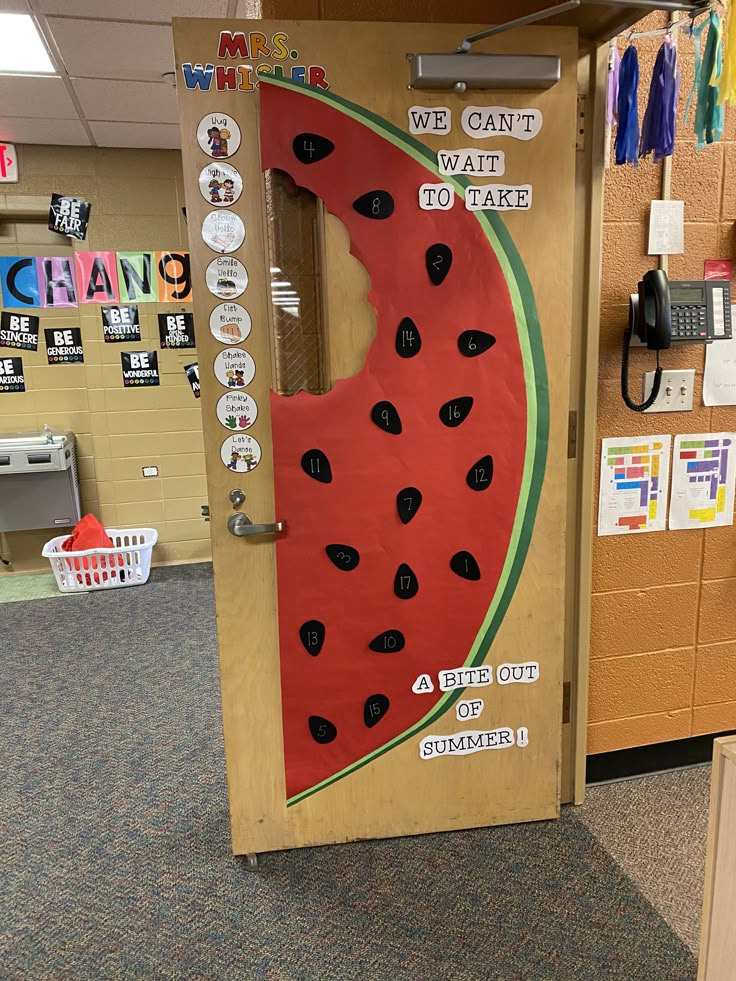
410 489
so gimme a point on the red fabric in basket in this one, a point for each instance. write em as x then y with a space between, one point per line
89 533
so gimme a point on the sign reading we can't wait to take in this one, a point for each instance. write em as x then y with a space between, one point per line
95 277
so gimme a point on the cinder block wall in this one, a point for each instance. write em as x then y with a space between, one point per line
137 197
663 639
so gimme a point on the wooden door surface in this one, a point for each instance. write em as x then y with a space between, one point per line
391 661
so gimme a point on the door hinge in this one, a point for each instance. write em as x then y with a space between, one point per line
580 127
566 688
572 435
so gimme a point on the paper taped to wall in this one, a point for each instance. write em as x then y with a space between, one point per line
719 379
703 479
667 228
634 482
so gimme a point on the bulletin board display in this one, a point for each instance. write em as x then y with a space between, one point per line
401 668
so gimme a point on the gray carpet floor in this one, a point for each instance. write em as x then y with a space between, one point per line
114 839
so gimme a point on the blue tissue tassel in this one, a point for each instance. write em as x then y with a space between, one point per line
627 133
658 127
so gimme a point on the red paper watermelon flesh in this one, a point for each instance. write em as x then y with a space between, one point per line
409 489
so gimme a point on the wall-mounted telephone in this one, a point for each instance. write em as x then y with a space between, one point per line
663 312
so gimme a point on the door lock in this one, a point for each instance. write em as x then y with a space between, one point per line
237 497
240 525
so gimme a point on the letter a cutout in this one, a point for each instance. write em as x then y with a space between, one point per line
422 685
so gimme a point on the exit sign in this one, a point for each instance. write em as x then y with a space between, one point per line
8 164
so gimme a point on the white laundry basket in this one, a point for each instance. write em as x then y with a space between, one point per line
127 564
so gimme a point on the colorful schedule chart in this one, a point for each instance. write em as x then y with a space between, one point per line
703 478
634 484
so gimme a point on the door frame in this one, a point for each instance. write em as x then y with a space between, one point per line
584 356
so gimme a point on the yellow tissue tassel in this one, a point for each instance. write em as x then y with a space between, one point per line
727 81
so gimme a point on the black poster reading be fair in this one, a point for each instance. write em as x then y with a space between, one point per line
69 216
64 345
121 323
176 329
19 330
12 378
140 368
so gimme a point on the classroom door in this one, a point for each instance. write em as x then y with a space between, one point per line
382 285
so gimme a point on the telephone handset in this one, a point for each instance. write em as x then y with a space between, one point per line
663 312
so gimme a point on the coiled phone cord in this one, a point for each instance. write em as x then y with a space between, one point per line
652 397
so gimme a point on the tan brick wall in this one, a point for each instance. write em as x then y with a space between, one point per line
663 642
137 197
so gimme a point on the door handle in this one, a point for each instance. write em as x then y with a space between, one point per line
240 525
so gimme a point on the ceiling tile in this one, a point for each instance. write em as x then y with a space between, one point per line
148 136
142 10
35 96
143 102
68 132
106 49
14 7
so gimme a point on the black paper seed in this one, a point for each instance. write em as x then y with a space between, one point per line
345 557
388 642
406 583
480 475
408 339
376 706
475 342
454 412
315 464
439 260
309 147
322 730
408 502
375 204
464 565
312 635
386 417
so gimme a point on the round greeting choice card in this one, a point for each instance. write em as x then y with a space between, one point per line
241 453
230 323
220 184
234 368
226 277
237 410
218 135
223 231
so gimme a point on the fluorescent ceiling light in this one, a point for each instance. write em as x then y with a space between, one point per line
275 269
279 285
22 52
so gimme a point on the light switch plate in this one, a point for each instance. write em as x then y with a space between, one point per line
675 393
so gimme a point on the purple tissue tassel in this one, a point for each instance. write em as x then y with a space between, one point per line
627 134
658 127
